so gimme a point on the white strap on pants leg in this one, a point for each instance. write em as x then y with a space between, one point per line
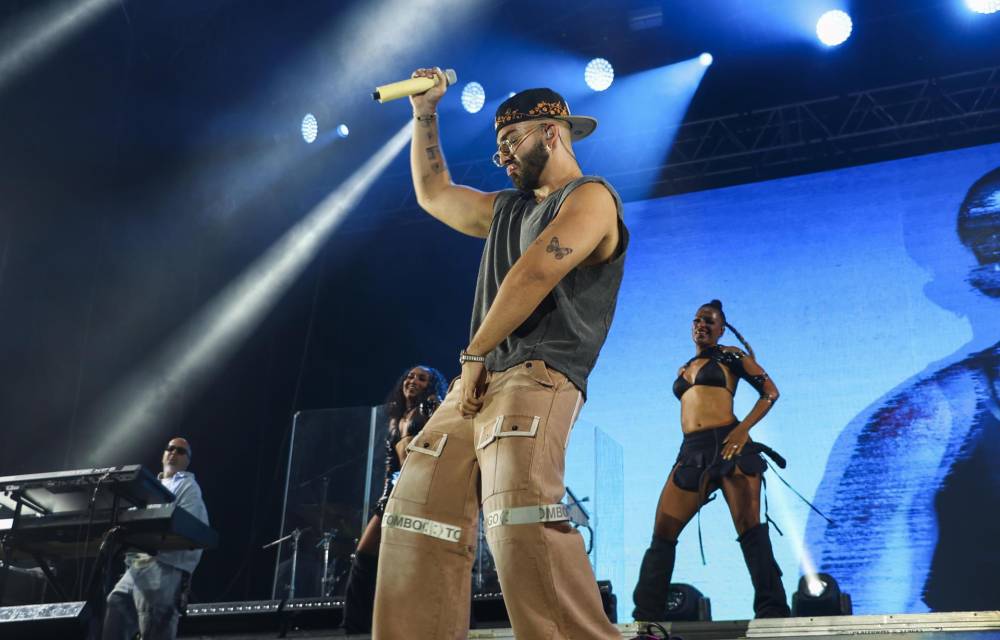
527 515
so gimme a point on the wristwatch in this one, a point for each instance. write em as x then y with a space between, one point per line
464 357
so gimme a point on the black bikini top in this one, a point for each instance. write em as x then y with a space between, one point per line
712 375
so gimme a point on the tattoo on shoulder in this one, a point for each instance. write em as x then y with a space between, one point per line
560 252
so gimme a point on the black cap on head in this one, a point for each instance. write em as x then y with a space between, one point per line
537 104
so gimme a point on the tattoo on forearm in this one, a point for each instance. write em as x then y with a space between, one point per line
434 155
560 252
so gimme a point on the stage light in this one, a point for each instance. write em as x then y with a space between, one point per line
819 595
706 59
834 27
343 131
473 97
983 6
310 128
191 357
656 101
685 603
42 32
599 74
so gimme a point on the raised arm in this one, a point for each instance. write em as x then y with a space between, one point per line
461 208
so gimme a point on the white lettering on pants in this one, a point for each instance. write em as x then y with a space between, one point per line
527 515
422 526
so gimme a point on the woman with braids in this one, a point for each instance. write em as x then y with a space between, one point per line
413 399
717 452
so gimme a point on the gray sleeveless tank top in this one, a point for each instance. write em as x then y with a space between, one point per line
568 328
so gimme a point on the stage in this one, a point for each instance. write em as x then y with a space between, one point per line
951 626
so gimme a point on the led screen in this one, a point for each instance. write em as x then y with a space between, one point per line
870 295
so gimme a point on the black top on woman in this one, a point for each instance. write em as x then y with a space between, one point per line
410 405
415 396
717 452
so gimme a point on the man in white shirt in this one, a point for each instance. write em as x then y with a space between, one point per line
147 596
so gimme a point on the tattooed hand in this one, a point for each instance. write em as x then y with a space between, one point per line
426 103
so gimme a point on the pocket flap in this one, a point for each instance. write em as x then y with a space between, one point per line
490 433
518 426
429 444
509 426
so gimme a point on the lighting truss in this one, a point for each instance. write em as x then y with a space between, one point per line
900 120
935 113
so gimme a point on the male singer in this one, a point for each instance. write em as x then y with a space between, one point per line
547 287
147 598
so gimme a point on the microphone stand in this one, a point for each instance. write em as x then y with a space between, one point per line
324 542
294 537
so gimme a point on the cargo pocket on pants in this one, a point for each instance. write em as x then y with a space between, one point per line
423 455
506 450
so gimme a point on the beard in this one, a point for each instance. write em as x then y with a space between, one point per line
530 168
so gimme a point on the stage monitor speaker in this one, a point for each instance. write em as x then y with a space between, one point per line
53 621
489 611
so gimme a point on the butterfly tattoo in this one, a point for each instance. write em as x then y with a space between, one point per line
561 252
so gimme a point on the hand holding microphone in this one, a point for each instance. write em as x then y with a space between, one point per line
425 88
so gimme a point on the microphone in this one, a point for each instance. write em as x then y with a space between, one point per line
411 87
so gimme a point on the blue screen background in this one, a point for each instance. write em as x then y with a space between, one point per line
850 285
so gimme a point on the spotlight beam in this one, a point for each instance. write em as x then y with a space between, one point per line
199 349
793 533
39 35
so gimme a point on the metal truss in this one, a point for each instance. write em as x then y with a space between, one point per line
903 119
879 124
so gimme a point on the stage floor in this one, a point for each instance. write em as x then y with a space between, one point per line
974 625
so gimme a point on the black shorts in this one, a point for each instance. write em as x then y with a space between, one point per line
700 466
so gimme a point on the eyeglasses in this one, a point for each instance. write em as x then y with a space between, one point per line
507 147
181 451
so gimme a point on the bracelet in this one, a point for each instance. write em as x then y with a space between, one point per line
427 118
464 357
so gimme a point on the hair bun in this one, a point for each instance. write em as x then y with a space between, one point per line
716 303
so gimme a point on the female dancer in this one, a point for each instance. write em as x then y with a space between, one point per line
411 402
716 452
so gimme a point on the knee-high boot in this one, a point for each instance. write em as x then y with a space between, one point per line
650 595
359 598
769 600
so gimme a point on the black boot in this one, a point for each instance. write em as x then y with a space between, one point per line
769 600
359 598
650 595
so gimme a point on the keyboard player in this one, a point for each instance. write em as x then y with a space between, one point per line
149 595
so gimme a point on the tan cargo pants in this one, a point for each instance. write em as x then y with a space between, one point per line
516 448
